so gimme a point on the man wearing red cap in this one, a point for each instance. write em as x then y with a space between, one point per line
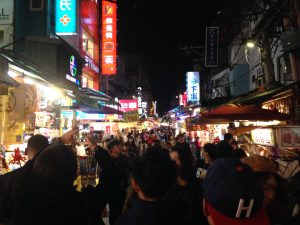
233 194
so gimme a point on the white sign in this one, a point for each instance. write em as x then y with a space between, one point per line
90 63
6 11
193 89
263 137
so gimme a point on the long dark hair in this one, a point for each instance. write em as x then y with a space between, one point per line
186 170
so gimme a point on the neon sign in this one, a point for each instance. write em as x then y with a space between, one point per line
109 38
65 17
73 71
193 89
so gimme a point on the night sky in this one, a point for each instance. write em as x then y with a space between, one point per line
156 30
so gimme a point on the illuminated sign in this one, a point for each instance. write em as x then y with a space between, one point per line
66 17
183 99
90 63
129 105
72 75
89 116
263 137
109 38
193 89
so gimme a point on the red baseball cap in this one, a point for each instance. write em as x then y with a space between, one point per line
260 218
233 194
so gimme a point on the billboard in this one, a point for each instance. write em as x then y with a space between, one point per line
65 17
128 105
6 12
211 47
192 86
109 38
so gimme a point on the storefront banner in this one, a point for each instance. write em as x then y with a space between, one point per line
6 12
109 38
87 116
263 137
290 137
65 17
193 89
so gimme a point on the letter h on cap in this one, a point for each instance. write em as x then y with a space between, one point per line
242 208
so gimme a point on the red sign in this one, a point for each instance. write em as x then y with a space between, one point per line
129 105
109 38
183 99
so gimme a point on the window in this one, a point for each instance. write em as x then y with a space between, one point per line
88 45
87 82
36 5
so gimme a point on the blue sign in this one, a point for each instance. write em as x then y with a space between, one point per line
65 17
193 89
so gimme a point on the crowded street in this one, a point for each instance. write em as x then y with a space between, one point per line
140 112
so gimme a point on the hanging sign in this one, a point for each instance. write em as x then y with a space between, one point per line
65 17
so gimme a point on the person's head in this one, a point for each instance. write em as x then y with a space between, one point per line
233 194
35 144
223 150
168 145
209 153
56 167
239 153
153 174
234 145
115 148
181 138
266 170
184 161
171 137
228 137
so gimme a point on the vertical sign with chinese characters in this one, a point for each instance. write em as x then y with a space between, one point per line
211 46
193 89
109 38
65 17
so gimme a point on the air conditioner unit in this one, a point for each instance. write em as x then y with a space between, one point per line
290 40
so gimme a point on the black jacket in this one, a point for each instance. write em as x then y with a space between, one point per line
114 175
150 213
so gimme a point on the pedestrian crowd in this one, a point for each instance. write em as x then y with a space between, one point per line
148 178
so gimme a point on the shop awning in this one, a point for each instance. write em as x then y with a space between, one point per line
241 130
204 120
4 77
252 112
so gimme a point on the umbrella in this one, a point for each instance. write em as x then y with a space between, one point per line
250 112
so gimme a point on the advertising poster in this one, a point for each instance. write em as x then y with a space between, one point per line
290 137
263 137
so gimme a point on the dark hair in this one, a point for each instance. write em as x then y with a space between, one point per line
37 143
211 150
238 153
56 167
223 150
186 170
227 136
155 172
234 143
113 143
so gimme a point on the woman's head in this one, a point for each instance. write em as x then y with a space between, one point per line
184 161
269 182
56 167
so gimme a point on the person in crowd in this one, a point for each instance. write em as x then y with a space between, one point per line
228 137
168 146
187 193
223 150
244 204
133 151
114 181
275 188
209 156
197 145
172 140
151 177
44 194
182 143
294 200
236 151
34 145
